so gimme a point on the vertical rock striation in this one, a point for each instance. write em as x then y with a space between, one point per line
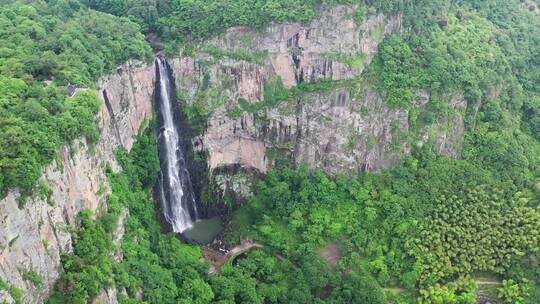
33 237
345 129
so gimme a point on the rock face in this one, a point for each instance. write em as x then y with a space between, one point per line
345 129
33 237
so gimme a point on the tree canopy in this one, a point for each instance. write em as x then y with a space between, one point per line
44 46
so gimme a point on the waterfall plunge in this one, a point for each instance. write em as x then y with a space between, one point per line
176 190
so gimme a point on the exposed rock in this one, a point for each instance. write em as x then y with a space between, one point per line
129 95
5 297
235 182
336 136
343 130
39 232
108 296
72 89
118 234
447 132
296 53
330 254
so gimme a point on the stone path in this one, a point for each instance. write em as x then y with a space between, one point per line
489 282
217 259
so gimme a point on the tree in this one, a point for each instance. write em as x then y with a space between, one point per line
358 288
461 291
512 292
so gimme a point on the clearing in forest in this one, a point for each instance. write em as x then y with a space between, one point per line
331 254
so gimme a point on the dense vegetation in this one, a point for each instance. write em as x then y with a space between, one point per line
164 270
156 264
398 224
43 47
387 228
181 20
428 230
432 224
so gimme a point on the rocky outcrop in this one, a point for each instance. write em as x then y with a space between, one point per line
33 237
446 134
340 132
333 47
127 98
108 296
347 128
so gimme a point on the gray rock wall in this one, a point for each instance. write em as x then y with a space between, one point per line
346 129
39 232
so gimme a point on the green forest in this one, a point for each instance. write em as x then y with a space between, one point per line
46 45
432 230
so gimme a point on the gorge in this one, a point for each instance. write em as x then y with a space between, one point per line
361 151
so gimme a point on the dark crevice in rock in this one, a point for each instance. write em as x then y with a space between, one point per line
364 167
296 61
299 72
55 233
113 118
342 99
312 75
293 41
133 87
298 134
327 69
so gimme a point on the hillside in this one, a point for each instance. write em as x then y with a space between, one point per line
269 151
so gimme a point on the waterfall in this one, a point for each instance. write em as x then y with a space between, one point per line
175 187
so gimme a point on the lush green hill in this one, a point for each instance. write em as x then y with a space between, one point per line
424 230
45 46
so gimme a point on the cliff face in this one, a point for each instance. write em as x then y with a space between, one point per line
345 129
32 238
